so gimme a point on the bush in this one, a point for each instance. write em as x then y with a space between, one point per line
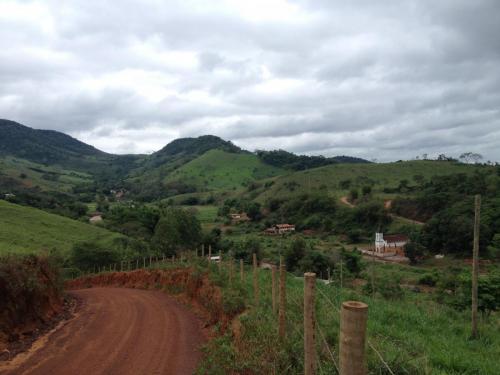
87 255
429 279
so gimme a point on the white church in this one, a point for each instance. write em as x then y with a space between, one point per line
390 243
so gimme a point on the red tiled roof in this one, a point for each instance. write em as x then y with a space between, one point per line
285 226
391 238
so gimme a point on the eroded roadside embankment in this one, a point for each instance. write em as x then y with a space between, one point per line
31 301
188 285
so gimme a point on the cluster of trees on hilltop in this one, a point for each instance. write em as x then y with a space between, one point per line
288 160
446 204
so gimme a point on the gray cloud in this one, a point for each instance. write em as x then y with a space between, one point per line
389 80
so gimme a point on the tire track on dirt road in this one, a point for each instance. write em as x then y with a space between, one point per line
118 331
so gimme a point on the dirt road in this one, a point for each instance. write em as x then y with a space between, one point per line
118 331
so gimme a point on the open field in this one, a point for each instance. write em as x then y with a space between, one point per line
26 230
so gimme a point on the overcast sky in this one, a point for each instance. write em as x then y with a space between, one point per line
324 77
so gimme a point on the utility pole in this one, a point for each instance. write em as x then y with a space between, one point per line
475 263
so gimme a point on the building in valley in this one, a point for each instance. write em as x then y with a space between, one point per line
390 243
280 229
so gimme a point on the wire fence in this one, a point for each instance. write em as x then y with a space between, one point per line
258 284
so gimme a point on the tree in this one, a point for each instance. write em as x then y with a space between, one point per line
366 190
176 230
467 157
247 248
413 251
352 261
87 255
295 253
353 195
253 211
316 262
494 247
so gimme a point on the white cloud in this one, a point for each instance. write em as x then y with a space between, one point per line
387 80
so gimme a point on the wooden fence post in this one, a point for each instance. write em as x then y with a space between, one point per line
309 324
282 306
475 264
203 250
231 270
209 252
274 289
353 317
242 275
255 280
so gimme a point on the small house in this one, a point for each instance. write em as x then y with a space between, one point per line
239 217
280 229
95 217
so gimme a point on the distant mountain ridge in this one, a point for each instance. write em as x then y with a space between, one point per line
32 158
48 146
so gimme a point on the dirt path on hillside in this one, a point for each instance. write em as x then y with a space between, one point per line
345 200
118 331
387 206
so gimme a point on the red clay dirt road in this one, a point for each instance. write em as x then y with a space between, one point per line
118 331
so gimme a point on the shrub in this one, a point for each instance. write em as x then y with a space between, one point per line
429 279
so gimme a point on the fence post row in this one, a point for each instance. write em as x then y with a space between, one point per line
241 270
273 289
309 324
475 264
353 317
282 305
255 280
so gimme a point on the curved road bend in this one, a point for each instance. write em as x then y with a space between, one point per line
119 331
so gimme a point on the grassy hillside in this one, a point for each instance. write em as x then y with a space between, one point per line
25 230
29 174
338 179
217 169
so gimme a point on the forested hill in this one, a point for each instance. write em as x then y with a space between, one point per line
47 146
197 146
50 147
288 160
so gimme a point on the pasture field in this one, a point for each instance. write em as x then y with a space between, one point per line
29 230
217 170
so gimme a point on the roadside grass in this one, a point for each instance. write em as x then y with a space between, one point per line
413 333
29 230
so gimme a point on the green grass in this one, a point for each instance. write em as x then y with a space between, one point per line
205 214
36 174
29 230
414 334
326 179
216 170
